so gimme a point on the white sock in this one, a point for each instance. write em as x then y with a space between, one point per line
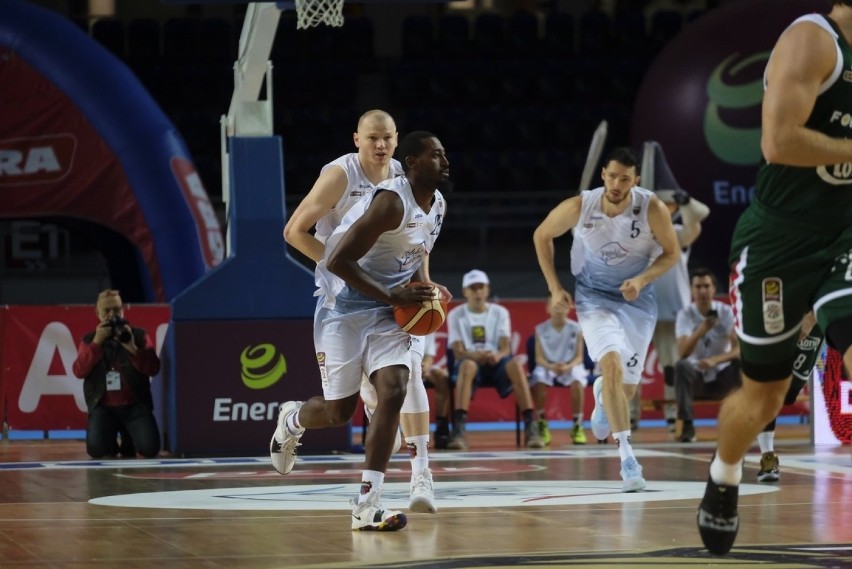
625 451
292 424
724 473
372 478
766 440
418 451
578 419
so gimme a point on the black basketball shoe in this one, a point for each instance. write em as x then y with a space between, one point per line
718 521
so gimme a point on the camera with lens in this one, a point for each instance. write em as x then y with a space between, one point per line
118 331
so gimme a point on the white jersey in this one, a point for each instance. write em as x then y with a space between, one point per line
716 341
673 290
395 256
558 346
357 186
609 250
478 331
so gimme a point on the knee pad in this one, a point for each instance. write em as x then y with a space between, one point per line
416 400
368 393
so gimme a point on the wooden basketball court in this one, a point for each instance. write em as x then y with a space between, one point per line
499 506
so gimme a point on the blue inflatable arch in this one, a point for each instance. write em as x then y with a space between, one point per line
85 139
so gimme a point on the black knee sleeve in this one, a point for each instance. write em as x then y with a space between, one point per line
796 386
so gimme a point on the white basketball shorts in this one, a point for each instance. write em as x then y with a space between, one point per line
618 328
578 373
351 345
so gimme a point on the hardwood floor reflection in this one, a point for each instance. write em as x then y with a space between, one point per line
498 506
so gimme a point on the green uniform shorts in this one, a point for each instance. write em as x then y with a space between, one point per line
781 269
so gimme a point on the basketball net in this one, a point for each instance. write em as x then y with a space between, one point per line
310 13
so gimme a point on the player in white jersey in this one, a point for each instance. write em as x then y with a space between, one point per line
559 353
623 241
376 253
343 183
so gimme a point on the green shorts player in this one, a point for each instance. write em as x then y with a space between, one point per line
792 247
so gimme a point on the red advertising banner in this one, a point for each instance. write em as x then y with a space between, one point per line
39 346
832 401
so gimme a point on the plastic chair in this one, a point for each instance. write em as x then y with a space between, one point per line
109 32
418 36
355 40
665 25
216 41
595 34
453 35
629 34
488 35
182 40
143 41
559 35
522 37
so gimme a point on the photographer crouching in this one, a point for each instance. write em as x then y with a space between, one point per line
116 362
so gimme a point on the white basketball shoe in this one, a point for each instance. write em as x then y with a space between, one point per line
599 420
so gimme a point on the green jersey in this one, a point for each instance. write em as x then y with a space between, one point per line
820 195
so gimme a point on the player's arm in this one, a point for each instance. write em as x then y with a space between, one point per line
661 226
504 348
383 214
461 352
422 275
558 222
803 57
324 195
686 343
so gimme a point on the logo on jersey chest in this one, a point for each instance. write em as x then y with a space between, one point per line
612 253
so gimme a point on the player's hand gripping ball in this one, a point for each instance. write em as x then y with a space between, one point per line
424 318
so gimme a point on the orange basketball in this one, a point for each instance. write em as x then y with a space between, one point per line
424 318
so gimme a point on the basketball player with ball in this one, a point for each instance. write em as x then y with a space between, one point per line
378 248
343 183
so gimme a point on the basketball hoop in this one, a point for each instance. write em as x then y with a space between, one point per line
310 13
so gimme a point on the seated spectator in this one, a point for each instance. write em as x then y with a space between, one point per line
559 360
479 335
709 351
116 363
438 378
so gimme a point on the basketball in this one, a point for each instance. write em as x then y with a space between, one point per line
422 319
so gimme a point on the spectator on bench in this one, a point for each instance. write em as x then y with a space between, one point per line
479 333
709 351
437 377
559 360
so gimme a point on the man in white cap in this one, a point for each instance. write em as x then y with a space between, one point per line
479 334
